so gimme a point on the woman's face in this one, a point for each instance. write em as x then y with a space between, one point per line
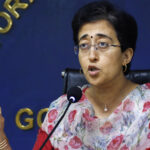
103 65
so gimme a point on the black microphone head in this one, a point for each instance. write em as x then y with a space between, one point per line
74 94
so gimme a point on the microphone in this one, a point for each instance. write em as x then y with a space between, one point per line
73 95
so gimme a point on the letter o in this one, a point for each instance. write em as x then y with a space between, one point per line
39 116
9 22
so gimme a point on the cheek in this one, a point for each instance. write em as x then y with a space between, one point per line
111 62
82 61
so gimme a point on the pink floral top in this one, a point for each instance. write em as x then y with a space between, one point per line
127 128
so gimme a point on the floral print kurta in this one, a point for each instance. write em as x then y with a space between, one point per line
127 128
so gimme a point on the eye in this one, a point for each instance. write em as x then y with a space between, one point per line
103 44
83 46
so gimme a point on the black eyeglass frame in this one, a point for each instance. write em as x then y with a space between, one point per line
76 47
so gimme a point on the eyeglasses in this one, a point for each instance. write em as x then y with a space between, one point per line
100 47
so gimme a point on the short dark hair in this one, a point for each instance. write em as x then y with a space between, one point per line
123 23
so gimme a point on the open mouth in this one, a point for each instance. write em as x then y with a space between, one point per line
93 70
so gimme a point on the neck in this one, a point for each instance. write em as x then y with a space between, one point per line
105 93
110 94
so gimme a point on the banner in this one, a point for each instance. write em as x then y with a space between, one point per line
36 44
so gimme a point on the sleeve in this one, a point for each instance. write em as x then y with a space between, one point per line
42 135
144 138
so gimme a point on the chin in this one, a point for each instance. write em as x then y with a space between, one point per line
97 81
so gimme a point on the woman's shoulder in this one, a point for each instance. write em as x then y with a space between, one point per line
144 90
140 96
145 97
55 110
146 86
62 101
59 102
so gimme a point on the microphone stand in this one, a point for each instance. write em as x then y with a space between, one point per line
55 126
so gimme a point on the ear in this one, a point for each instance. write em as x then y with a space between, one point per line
127 56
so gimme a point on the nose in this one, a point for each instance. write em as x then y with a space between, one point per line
93 54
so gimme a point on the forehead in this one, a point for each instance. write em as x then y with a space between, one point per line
95 29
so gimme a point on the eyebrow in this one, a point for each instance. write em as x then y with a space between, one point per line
98 34
83 36
104 35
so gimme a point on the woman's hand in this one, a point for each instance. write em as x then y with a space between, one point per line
1 122
4 145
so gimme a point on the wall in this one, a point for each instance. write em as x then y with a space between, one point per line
37 48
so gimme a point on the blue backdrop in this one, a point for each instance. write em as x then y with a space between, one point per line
37 48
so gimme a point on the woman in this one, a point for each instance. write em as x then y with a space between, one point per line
113 113
4 144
